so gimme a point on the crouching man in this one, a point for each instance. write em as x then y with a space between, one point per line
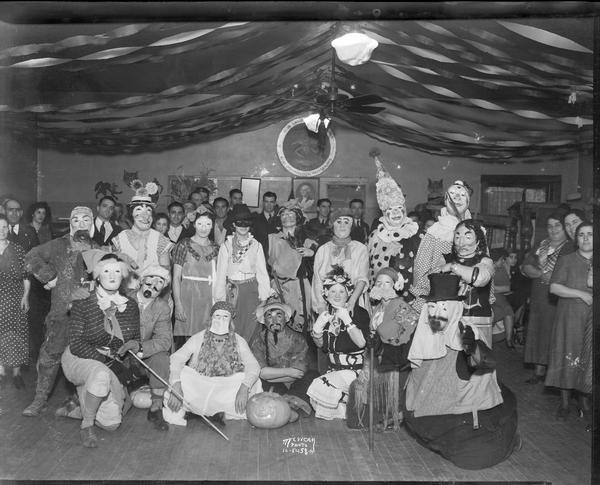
102 326
156 335
282 353
214 371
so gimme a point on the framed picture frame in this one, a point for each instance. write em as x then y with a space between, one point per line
250 187
342 190
306 193
299 151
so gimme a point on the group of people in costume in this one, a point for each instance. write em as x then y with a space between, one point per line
310 318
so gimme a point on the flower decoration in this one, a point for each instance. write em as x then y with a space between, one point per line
152 188
136 184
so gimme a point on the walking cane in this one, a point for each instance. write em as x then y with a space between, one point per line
177 395
371 375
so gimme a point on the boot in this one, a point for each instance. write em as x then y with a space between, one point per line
37 407
45 383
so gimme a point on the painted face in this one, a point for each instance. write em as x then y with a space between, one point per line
337 295
39 215
221 209
437 315
342 226
142 217
571 223
555 230
460 196
275 320
512 259
162 225
585 238
383 289
220 322
106 209
324 209
176 215
203 226
395 216
3 229
152 286
269 204
288 218
465 241
14 212
111 275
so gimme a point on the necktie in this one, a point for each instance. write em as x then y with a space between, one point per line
102 231
13 229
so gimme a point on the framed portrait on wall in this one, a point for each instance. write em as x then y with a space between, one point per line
306 193
280 186
250 187
342 190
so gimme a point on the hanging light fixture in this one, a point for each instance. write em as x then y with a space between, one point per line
354 48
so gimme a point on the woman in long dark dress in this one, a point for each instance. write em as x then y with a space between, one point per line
14 304
539 266
566 366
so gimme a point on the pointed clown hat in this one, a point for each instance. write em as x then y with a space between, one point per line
389 193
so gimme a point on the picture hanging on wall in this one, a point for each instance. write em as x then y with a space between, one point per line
306 192
250 187
300 152
342 190
180 186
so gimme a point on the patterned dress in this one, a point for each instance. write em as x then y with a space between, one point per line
198 274
14 334
566 366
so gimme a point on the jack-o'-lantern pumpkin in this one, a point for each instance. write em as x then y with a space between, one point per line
268 410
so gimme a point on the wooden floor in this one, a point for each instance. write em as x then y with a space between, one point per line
48 447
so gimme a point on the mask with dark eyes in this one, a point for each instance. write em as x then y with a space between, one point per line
152 286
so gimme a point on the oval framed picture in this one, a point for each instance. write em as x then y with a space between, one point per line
299 152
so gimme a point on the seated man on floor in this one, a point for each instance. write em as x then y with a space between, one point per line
102 326
282 354
215 371
157 335
454 404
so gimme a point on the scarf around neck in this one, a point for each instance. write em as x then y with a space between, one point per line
110 304
446 224
341 244
388 233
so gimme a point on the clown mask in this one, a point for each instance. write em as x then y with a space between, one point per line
457 200
220 322
81 226
142 217
152 286
395 216
465 241
440 313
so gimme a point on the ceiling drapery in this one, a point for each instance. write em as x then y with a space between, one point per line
493 90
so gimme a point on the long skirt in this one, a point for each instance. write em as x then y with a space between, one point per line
539 327
208 395
586 384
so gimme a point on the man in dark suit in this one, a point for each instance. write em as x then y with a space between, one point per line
104 229
265 222
360 229
319 228
177 231
22 234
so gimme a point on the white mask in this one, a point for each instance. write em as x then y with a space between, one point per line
220 322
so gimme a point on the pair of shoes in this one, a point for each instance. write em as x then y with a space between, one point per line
37 407
562 413
18 381
536 379
88 437
156 418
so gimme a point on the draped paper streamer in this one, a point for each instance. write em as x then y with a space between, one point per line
464 89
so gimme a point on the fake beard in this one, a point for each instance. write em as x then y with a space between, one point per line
275 329
437 324
378 294
82 235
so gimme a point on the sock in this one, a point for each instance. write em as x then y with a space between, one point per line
157 400
89 409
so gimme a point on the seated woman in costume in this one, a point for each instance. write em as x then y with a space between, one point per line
343 338
215 371
470 261
103 325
